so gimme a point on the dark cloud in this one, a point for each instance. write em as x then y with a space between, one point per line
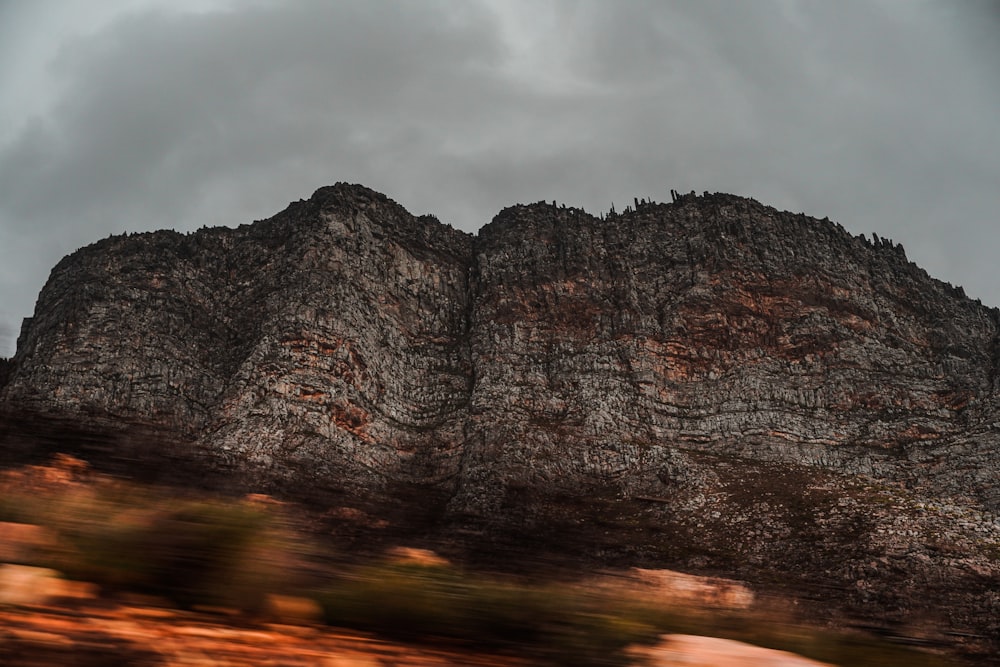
881 115
161 107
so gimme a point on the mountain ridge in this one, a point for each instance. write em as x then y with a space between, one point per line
715 237
710 383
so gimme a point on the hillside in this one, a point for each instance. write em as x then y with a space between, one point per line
708 384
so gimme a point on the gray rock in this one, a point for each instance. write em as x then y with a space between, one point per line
767 392
345 339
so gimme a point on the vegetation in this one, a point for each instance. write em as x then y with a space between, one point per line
411 601
565 624
195 551
202 551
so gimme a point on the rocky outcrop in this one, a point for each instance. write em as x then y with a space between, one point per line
326 343
711 382
345 339
603 349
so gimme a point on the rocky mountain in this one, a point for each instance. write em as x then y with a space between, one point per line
708 383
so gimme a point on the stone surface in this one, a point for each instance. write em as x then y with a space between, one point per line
345 339
293 610
132 637
709 384
686 590
694 651
31 586
608 350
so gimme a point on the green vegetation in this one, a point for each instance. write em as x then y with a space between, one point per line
201 551
565 624
190 551
198 552
414 602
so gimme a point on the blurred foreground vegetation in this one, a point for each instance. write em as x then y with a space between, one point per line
206 552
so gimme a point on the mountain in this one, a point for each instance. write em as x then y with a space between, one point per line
708 383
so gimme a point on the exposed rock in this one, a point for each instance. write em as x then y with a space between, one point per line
720 325
25 585
694 651
324 345
419 557
293 610
344 339
710 384
672 588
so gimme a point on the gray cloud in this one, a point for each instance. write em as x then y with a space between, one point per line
882 115
6 339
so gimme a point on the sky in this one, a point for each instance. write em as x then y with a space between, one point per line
135 115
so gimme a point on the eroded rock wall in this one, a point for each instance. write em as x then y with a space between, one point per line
344 339
325 343
605 348
710 384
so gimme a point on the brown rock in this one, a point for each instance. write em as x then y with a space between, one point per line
414 556
25 585
346 341
695 651
689 590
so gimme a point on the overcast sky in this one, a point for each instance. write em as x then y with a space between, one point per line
146 114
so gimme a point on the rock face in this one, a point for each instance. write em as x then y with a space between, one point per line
346 339
602 348
326 343
762 384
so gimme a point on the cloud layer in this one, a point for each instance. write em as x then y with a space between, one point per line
881 115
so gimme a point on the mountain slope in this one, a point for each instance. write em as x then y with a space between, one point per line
708 383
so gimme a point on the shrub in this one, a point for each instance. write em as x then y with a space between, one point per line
408 601
192 551
563 624
197 552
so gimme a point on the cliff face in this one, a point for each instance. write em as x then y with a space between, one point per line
720 325
322 344
345 339
709 383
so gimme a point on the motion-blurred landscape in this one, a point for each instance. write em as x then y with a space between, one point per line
99 571
622 421
560 440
